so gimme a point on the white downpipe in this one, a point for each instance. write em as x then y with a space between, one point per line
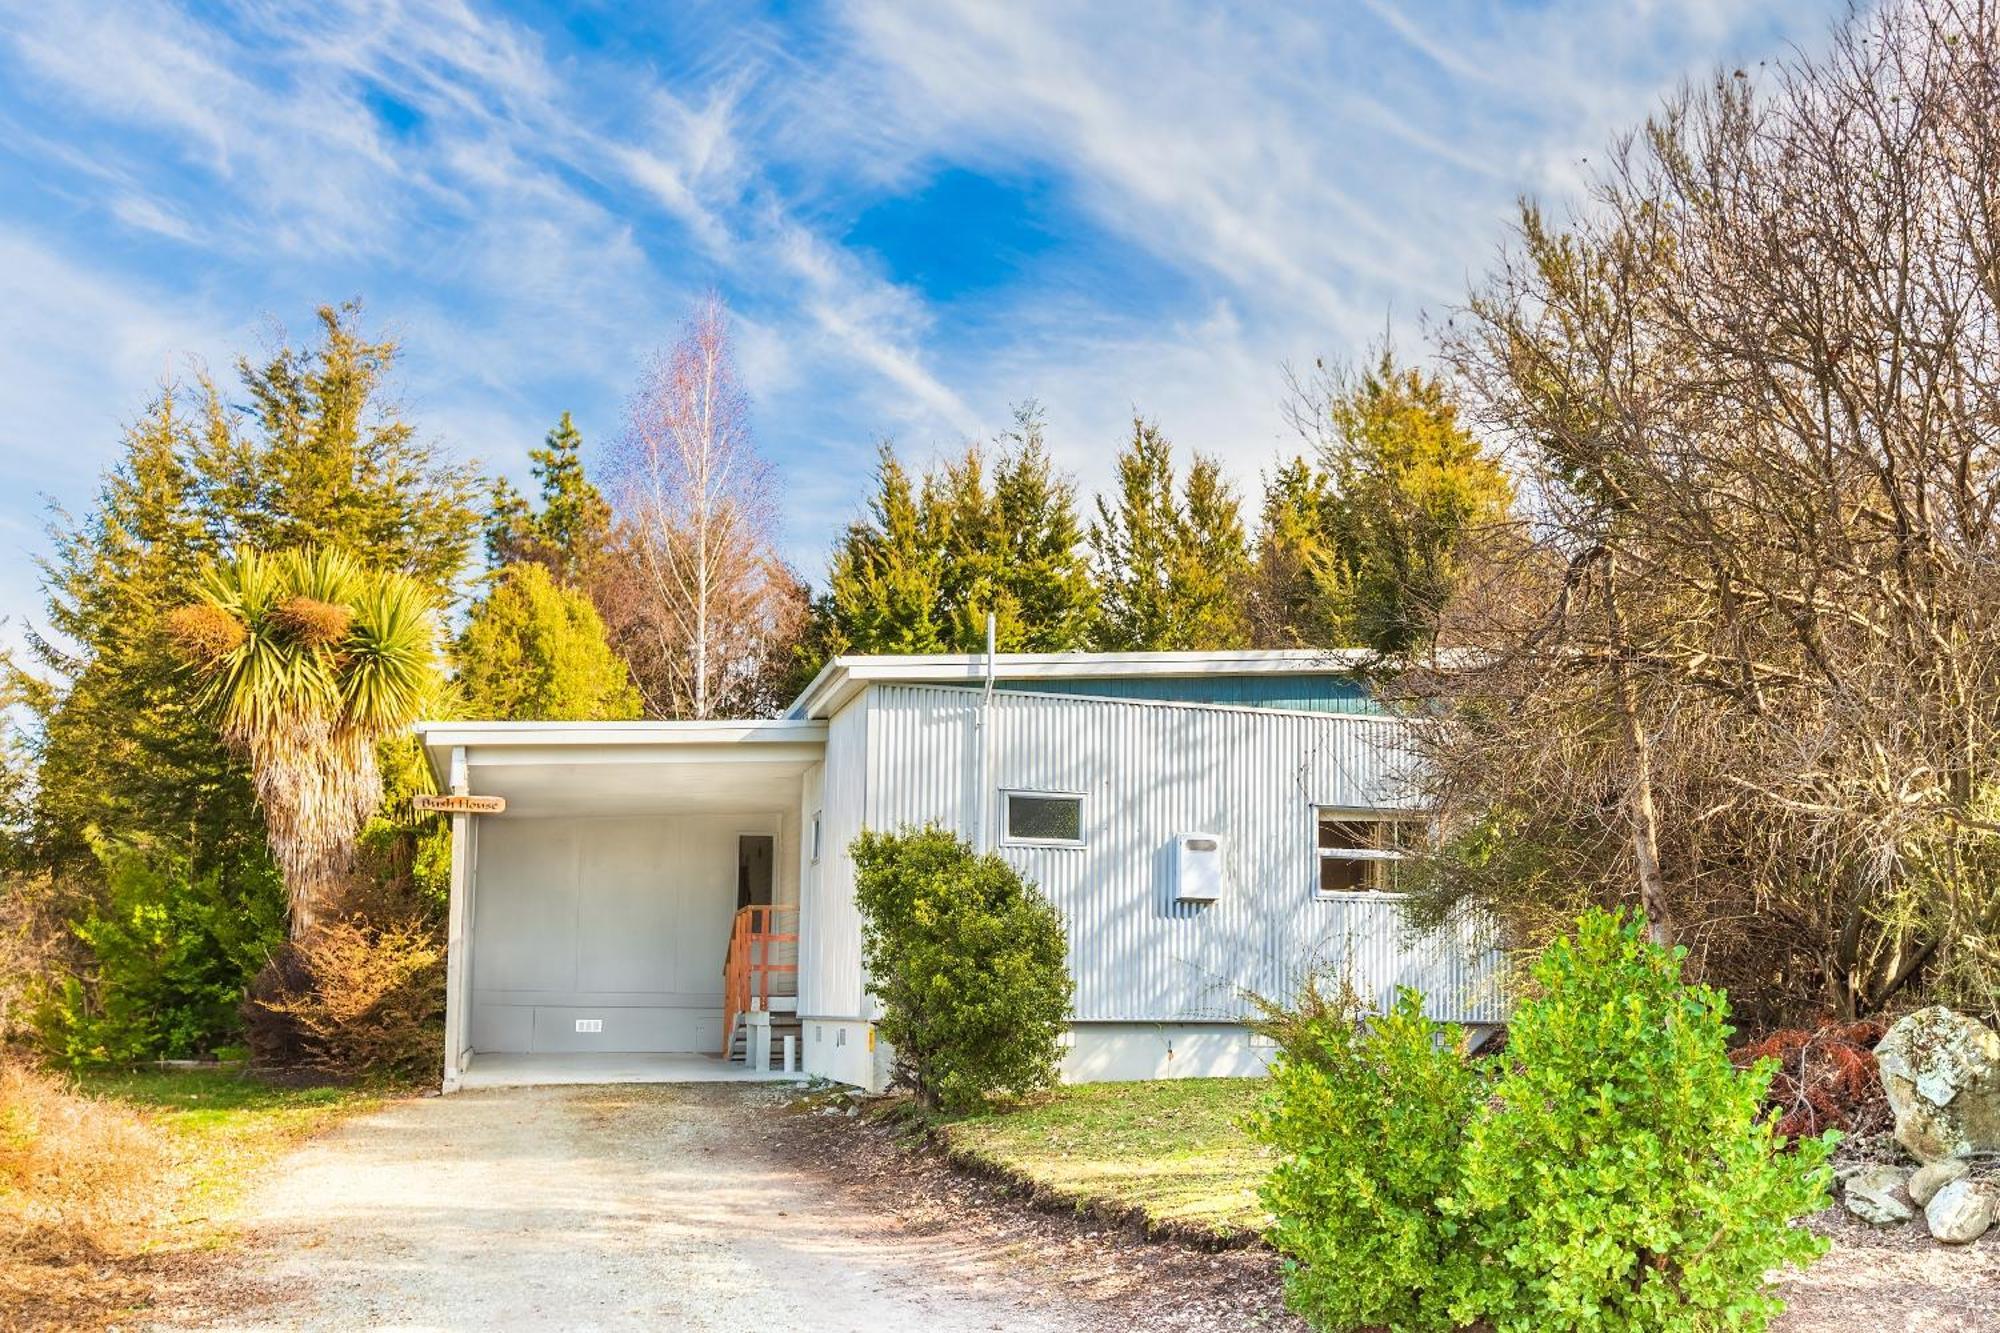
981 842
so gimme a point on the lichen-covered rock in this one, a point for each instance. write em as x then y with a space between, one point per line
1926 1181
1960 1211
1876 1197
1941 1071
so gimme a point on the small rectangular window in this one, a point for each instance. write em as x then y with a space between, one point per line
815 837
1359 851
1044 818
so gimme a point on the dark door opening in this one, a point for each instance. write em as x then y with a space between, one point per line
755 855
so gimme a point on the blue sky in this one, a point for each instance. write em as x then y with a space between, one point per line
920 214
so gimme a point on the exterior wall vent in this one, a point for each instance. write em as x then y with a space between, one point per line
1197 867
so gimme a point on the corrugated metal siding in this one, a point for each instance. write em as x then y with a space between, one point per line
1327 693
1150 771
829 925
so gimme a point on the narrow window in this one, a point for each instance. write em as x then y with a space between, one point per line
815 837
1358 850
1044 819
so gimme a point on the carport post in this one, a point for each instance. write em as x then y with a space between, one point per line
461 892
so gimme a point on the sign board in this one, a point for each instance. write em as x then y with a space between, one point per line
459 805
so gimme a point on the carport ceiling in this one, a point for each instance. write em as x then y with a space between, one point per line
580 790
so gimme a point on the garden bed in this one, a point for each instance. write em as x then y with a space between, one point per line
1118 1270
1092 1177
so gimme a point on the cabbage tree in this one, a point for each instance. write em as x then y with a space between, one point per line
307 659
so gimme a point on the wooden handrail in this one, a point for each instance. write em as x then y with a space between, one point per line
747 968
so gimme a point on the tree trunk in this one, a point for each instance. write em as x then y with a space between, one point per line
1644 814
701 615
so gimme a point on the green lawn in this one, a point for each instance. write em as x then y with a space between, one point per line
1174 1149
223 1125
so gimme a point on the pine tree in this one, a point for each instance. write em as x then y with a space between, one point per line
118 747
1046 574
1302 597
932 560
535 650
1172 567
1413 485
884 588
326 462
1214 571
570 531
510 525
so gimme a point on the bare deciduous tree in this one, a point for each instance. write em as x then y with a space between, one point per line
700 601
1742 661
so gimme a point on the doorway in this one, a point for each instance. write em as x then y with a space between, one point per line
756 857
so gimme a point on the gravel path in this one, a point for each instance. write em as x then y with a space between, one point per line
592 1208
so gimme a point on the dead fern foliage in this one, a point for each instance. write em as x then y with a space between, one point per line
1826 1078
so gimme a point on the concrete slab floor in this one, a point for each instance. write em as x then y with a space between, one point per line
501 1070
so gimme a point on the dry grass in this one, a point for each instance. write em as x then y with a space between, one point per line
80 1181
107 1188
1172 1154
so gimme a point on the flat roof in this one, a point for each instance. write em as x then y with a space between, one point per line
804 723
783 730
844 677
700 750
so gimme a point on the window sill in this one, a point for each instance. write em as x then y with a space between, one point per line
1043 843
1359 896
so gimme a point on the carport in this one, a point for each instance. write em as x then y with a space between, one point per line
590 920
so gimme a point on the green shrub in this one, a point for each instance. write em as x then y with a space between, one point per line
1621 1176
1610 1170
968 961
1367 1117
167 953
535 649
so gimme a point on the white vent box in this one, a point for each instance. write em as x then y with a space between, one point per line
1197 867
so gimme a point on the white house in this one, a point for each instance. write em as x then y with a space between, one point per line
660 897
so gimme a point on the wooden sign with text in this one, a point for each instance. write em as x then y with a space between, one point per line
459 805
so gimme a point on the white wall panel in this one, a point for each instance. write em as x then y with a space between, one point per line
1150 771
830 982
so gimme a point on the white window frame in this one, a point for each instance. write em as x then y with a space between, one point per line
816 835
1321 855
1082 799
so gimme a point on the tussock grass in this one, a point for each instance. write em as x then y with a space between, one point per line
109 1182
80 1184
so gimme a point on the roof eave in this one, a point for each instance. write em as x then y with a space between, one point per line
844 677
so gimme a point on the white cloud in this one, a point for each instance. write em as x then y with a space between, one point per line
74 333
1297 179
1318 177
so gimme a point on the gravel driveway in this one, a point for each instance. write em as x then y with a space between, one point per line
578 1208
